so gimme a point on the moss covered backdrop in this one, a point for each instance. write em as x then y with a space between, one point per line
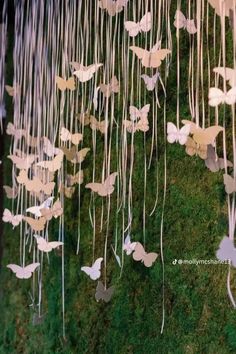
199 316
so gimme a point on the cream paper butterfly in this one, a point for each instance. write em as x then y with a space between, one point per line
216 96
175 135
23 272
182 22
144 25
85 73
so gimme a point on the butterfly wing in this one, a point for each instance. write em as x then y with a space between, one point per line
10 192
142 125
215 97
134 113
80 155
96 269
35 210
55 244
100 289
108 185
183 134
180 20
146 22
227 73
139 252
156 58
230 184
16 270
141 53
61 83
29 269
191 147
191 27
226 250
95 187
172 133
230 97
36 224
108 294
70 84
149 259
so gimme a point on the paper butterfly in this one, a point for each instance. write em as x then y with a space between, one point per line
65 135
22 163
48 148
105 188
192 148
36 210
45 246
54 164
129 246
150 82
68 191
228 74
85 73
17 133
102 293
182 22
11 192
213 162
36 224
23 272
98 125
75 156
116 256
94 272
136 113
216 96
139 254
152 58
175 135
144 25
111 6
230 184
227 251
63 84
15 220
204 136
112 87
35 184
55 211
75 179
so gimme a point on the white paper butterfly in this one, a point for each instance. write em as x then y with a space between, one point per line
177 135
94 272
136 113
150 81
45 246
23 272
36 210
143 26
48 148
182 22
12 219
85 73
216 96
227 251
129 246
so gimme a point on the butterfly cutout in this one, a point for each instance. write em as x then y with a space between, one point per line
150 82
136 113
17 133
230 184
48 148
216 96
227 251
54 164
15 220
36 210
36 224
129 246
63 84
101 125
22 163
45 246
23 272
11 192
85 73
116 256
94 272
106 188
139 254
192 148
175 135
228 74
144 25
55 211
102 293
112 87
75 179
182 22
111 6
132 127
65 136
67 191
204 136
213 162
35 184
152 58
